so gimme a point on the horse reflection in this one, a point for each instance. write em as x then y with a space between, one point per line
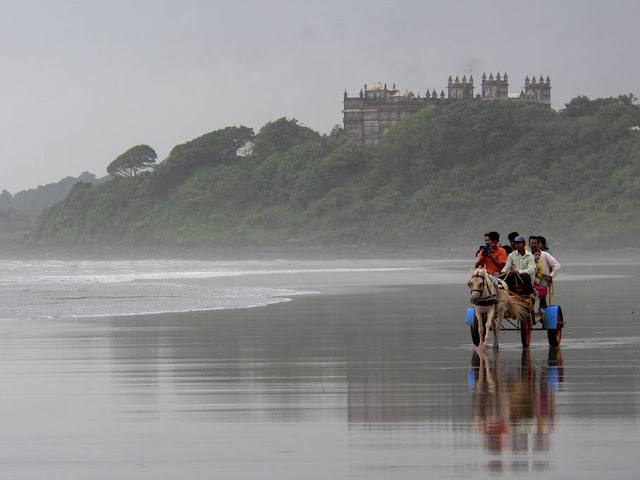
514 407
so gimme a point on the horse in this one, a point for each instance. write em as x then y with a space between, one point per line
491 299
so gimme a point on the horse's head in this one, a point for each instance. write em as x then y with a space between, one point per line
477 284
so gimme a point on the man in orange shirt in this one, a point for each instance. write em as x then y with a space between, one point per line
494 257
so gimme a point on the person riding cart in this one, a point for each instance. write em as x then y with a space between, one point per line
520 268
492 256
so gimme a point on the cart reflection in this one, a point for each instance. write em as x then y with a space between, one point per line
514 408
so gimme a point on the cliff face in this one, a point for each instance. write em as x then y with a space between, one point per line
437 178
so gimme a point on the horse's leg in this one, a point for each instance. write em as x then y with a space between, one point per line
490 315
497 324
480 328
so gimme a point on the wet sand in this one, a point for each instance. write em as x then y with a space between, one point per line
370 378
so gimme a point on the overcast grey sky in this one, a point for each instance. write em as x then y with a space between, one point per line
83 81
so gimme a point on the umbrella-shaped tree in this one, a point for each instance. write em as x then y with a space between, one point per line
134 160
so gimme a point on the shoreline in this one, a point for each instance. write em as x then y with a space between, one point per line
208 288
287 252
290 283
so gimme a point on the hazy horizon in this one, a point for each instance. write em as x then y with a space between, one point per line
87 81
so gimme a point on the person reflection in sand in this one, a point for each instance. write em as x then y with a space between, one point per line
513 409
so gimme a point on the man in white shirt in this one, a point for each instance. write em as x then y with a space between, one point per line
520 268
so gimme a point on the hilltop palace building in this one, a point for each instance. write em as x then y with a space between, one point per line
368 116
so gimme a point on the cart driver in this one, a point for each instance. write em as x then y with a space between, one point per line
520 267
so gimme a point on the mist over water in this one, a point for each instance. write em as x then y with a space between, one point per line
371 376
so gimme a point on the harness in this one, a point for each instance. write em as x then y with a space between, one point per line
490 298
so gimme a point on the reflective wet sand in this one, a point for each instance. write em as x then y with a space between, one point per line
378 383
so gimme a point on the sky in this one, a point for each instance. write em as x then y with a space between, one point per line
84 81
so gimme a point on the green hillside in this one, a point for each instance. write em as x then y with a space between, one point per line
438 177
18 212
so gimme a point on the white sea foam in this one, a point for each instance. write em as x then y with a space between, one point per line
127 271
117 299
56 289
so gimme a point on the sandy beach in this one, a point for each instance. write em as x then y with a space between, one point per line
372 376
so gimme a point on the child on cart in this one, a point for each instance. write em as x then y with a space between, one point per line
540 284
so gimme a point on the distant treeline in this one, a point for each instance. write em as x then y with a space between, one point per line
437 178
30 203
18 212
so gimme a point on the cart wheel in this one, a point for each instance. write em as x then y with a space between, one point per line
555 335
525 328
475 334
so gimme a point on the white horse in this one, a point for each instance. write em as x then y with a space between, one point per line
491 299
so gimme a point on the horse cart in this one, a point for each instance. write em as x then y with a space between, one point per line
549 319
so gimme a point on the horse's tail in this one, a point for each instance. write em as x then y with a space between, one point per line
516 307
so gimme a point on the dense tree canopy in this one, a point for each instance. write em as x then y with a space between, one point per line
438 177
210 149
280 135
582 106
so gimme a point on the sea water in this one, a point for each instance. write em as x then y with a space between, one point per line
377 379
90 288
